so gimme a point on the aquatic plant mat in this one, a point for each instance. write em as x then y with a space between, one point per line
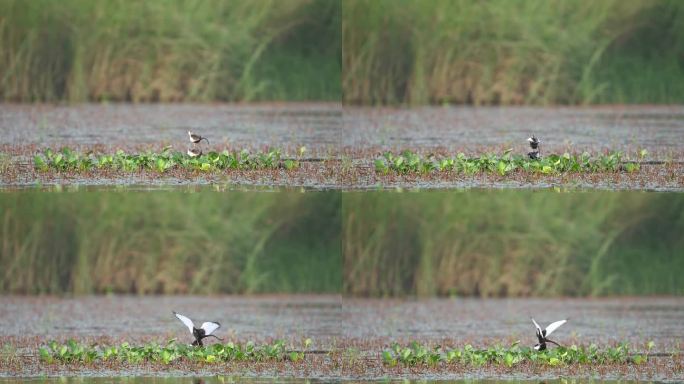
322 145
342 361
405 169
304 336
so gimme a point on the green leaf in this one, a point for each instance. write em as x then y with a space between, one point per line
508 360
501 168
290 164
388 358
39 163
380 166
45 355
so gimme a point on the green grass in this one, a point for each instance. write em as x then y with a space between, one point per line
234 50
69 160
512 52
74 352
503 243
416 354
496 243
359 51
409 162
169 242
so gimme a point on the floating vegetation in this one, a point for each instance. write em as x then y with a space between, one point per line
409 162
74 352
69 160
416 354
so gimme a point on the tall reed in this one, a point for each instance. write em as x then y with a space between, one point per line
512 52
169 242
512 243
157 50
472 243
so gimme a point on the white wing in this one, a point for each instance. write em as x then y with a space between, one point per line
537 325
188 323
210 327
553 326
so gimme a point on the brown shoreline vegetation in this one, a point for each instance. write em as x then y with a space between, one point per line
349 168
346 359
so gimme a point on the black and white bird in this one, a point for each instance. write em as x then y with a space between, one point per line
195 138
536 150
207 329
194 152
534 142
542 334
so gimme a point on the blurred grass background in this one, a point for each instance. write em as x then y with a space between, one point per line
169 242
170 50
513 243
513 52
471 243
361 51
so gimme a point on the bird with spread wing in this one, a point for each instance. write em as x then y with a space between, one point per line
205 330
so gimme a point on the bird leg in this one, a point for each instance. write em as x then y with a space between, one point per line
553 342
215 337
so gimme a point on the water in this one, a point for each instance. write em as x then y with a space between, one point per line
316 126
660 130
332 321
349 139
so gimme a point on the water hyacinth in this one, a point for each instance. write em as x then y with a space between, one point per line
409 162
69 160
75 352
416 354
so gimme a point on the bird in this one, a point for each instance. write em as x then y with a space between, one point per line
207 329
536 150
534 142
195 138
542 334
194 152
